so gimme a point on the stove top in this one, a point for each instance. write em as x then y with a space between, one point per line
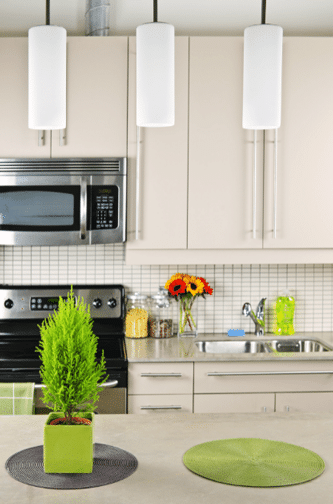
22 310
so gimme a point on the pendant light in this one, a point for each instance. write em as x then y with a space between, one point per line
262 75
262 94
155 74
47 76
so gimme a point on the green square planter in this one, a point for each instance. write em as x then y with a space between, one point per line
68 448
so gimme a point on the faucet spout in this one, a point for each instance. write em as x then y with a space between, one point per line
258 318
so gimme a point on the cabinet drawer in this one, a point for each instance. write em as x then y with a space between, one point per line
233 403
312 402
150 404
160 378
224 377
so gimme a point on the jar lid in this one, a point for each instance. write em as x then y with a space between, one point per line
161 300
137 296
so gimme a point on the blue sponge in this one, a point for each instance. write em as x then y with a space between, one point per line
236 332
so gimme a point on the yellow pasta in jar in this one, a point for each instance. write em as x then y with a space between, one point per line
136 324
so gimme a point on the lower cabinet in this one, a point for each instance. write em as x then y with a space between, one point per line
160 387
230 387
162 403
234 403
314 402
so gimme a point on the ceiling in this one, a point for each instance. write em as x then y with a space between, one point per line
190 17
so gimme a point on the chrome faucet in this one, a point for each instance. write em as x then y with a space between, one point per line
258 318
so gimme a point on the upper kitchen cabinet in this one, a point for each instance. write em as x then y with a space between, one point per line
221 199
16 139
96 99
161 212
220 151
305 150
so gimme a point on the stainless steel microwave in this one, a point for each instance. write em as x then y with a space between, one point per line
62 201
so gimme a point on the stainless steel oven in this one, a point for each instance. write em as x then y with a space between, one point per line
22 310
62 201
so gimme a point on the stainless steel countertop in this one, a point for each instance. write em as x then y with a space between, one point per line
180 349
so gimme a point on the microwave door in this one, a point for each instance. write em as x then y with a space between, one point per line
43 212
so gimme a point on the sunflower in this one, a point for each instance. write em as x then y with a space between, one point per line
177 287
195 286
186 278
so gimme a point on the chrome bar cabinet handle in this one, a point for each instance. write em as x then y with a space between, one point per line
254 186
161 375
137 181
83 208
275 185
270 373
160 407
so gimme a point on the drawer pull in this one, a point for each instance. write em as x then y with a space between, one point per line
270 373
160 407
161 375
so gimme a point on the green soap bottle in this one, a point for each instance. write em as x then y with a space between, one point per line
284 316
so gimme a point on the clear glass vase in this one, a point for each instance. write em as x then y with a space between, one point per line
188 317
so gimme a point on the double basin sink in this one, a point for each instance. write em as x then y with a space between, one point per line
274 345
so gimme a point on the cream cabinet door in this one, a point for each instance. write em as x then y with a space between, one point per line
309 402
162 212
160 378
233 403
220 150
305 149
150 404
16 139
96 98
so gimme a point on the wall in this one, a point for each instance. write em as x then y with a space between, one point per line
311 285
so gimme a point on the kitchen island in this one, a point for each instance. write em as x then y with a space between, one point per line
158 442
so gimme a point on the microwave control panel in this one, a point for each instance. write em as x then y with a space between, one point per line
104 207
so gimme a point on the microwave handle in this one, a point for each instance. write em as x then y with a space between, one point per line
83 208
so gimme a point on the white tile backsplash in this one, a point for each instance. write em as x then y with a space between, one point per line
310 285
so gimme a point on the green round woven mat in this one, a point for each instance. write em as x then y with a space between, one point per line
253 462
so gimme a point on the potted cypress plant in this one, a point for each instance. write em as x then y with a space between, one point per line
72 377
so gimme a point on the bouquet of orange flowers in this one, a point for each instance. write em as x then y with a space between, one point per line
185 288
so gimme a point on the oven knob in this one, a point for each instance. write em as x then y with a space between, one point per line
9 303
97 303
112 303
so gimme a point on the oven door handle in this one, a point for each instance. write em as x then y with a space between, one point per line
83 207
109 384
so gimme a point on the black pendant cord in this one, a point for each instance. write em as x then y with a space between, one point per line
47 12
263 12
155 11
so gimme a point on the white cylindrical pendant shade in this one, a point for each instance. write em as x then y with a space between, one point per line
155 75
262 77
47 77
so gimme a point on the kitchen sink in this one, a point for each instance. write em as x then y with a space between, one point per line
242 346
298 345
276 345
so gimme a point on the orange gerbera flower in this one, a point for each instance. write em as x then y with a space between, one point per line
177 287
207 287
177 276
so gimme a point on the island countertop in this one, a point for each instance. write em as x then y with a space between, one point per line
159 442
180 349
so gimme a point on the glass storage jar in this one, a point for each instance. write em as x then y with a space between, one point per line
136 320
160 317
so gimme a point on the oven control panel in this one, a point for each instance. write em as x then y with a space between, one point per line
105 301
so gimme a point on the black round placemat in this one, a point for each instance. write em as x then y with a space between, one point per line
111 464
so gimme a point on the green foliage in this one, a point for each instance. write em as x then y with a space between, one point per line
67 350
